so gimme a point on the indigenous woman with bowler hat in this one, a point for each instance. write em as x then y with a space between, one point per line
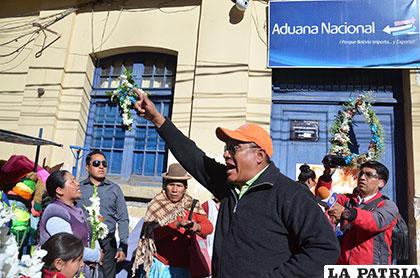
163 249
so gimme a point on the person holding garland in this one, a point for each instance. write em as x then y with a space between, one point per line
367 217
113 209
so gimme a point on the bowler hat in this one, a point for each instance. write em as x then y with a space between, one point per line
176 172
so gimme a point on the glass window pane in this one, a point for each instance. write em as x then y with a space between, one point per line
169 82
99 113
110 114
105 70
165 109
151 139
161 158
96 137
103 83
128 65
158 82
160 67
116 68
107 138
161 144
119 138
114 112
140 120
114 82
145 83
148 67
149 164
115 163
137 163
170 69
140 138
118 119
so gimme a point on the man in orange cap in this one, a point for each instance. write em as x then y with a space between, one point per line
267 225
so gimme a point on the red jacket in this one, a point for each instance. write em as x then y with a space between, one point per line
173 244
51 274
367 239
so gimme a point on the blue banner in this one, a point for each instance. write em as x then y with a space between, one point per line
349 33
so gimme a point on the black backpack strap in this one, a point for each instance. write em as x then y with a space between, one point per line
374 203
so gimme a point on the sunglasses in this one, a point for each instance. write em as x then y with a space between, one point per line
234 148
97 163
368 175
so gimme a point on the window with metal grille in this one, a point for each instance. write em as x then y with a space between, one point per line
139 152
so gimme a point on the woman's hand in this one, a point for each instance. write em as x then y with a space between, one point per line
196 228
189 225
182 224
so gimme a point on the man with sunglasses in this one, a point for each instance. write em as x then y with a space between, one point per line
267 225
113 209
367 217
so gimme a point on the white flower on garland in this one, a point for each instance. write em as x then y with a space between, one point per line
125 96
9 262
6 213
345 128
99 229
31 266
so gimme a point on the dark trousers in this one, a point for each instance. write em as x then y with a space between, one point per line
109 247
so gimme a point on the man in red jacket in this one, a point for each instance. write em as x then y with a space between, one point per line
368 218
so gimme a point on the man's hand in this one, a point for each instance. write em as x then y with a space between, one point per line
328 171
101 258
336 211
145 108
120 256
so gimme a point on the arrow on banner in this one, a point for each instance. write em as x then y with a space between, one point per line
390 30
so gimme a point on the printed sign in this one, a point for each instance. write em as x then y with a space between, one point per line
358 33
304 130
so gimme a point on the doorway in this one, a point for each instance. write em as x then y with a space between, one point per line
313 97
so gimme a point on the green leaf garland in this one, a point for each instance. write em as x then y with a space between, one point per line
339 131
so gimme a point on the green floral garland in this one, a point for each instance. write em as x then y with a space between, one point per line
340 139
125 97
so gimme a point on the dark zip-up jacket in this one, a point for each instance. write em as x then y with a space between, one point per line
275 230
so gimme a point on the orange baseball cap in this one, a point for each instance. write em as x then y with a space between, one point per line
248 133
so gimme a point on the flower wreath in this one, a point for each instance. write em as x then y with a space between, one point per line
340 139
125 97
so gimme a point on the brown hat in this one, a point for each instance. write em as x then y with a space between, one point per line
248 133
176 172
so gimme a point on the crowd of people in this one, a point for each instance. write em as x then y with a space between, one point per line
260 223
